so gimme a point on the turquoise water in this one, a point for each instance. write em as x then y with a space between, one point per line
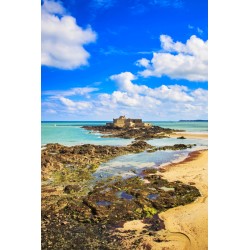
196 127
132 164
71 133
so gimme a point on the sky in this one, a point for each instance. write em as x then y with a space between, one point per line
104 58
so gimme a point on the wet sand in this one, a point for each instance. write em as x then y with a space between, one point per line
186 227
189 135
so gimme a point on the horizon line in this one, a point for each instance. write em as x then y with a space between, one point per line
110 120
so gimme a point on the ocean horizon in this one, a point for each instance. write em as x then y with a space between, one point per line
70 133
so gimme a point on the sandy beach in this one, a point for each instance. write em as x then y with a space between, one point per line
186 227
189 135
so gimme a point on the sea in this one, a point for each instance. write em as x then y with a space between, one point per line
70 133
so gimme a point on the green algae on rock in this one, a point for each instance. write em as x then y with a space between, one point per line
76 215
174 147
103 205
96 215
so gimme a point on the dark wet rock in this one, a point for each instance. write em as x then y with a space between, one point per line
88 222
191 183
140 144
181 137
174 147
75 216
145 133
72 188
129 199
149 171
76 163
177 147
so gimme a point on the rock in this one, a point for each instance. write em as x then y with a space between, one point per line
181 137
68 208
128 200
71 189
140 145
144 133
191 183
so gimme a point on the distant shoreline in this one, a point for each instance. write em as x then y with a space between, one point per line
193 120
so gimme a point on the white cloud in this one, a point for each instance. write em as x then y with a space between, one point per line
67 102
200 31
143 62
53 7
200 94
171 92
75 105
166 102
118 98
62 38
74 91
178 61
124 82
51 111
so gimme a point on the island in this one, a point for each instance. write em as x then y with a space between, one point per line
128 128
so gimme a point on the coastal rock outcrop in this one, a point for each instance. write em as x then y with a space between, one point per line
79 212
59 162
174 147
89 221
181 137
144 133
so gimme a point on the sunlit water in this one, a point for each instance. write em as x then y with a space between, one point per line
71 133
133 164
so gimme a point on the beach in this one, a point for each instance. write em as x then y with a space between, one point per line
190 135
162 205
186 227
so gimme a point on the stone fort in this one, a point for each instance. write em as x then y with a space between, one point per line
123 122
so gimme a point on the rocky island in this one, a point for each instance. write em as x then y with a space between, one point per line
127 128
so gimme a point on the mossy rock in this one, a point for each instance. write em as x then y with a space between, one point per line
129 199
71 189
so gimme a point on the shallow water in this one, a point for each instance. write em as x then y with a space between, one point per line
71 133
153 196
133 164
124 195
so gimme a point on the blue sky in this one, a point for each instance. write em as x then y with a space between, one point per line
105 58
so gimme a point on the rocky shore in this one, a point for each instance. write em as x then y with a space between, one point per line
79 213
183 227
61 161
144 133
